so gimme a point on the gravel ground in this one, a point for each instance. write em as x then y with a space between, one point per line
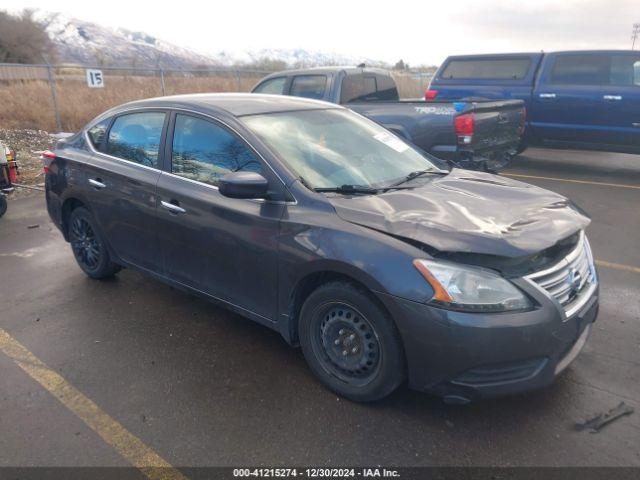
28 144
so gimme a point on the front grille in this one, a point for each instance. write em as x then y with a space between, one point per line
572 280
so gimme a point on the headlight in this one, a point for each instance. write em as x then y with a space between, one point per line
472 289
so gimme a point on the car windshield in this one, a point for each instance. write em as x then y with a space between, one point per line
333 148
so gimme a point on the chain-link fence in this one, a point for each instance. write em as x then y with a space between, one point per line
58 97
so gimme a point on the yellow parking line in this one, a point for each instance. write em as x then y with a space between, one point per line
571 180
112 432
618 266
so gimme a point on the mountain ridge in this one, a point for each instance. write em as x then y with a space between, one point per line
83 42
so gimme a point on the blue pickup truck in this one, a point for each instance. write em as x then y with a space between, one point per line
578 99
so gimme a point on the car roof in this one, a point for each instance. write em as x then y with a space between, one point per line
236 104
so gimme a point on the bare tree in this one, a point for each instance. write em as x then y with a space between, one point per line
22 39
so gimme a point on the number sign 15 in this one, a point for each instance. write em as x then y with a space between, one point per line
95 78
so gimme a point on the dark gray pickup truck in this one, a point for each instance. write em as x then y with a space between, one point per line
479 135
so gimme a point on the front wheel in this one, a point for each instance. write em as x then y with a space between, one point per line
350 343
88 246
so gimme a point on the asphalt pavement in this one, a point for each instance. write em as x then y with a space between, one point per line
198 386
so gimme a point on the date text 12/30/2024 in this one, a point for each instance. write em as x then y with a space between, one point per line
316 472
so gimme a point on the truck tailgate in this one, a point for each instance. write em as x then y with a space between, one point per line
497 124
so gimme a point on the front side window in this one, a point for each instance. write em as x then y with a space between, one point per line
309 86
625 70
98 132
274 86
205 151
136 137
335 147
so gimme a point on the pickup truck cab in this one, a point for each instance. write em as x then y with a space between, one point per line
576 99
480 135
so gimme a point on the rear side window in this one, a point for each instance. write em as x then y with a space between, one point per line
488 69
582 69
273 86
309 86
98 132
386 88
205 151
136 137
358 88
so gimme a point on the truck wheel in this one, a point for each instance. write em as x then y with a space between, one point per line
3 205
521 147
350 343
494 165
88 246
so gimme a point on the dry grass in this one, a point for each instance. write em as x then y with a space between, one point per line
28 104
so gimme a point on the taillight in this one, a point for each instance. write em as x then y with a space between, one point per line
523 121
430 95
47 157
464 126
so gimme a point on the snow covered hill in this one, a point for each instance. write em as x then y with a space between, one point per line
78 41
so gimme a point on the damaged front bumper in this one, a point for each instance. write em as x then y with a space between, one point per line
467 356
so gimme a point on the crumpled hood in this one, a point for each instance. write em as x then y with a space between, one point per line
471 212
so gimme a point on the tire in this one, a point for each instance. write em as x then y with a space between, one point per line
3 205
339 317
495 166
88 245
522 147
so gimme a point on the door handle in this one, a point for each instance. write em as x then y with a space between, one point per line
613 98
636 124
173 208
97 184
547 95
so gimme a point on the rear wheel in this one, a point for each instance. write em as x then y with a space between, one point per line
88 246
350 343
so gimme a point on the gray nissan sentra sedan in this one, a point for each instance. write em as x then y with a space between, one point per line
316 222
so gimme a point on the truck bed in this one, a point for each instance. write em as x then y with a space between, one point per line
496 131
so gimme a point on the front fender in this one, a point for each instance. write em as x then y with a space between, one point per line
381 263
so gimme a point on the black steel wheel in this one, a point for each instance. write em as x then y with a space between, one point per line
347 343
88 247
350 342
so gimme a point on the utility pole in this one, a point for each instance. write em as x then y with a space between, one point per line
635 33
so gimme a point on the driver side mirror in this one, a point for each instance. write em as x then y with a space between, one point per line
243 185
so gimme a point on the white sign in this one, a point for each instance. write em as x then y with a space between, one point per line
95 78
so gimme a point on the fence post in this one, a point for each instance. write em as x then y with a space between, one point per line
162 81
238 80
54 97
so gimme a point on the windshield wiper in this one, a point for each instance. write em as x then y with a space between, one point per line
416 174
347 189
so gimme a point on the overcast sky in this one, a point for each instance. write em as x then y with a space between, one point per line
420 32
